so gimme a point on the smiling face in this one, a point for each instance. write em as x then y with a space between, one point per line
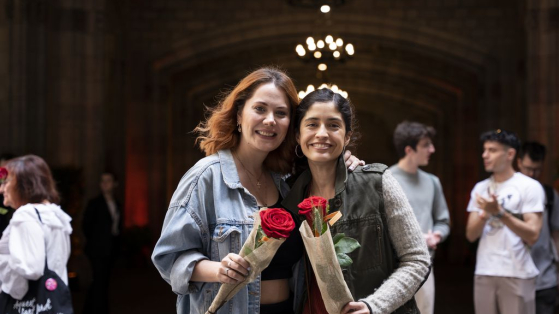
11 196
322 133
497 157
264 119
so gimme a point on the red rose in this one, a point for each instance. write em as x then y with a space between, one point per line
306 206
3 173
276 222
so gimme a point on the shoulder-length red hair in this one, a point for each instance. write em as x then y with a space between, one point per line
219 131
34 182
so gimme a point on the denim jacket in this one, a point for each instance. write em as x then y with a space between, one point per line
209 216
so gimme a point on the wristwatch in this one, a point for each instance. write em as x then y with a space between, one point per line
500 214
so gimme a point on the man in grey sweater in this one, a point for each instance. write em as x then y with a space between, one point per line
424 192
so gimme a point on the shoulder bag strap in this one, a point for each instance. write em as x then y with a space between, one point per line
41 220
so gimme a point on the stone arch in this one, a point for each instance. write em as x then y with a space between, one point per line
399 71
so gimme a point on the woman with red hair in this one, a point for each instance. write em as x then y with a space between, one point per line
250 146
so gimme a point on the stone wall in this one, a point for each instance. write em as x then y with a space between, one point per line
120 84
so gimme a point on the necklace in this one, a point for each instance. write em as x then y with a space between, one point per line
258 184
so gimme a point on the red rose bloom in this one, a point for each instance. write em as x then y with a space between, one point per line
276 223
306 206
3 173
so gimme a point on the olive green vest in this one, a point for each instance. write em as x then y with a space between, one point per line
360 199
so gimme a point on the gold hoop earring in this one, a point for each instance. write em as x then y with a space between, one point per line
296 152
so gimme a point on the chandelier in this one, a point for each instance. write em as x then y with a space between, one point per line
324 50
315 3
333 87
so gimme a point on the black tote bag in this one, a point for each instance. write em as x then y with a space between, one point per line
47 295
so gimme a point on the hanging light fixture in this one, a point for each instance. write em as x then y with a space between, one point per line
325 49
333 87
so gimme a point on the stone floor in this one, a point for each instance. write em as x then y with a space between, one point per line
139 289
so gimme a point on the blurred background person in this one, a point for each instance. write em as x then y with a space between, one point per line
505 274
5 211
102 227
414 145
544 253
39 228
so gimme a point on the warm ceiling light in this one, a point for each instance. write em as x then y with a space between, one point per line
325 9
300 50
329 39
322 67
336 54
312 47
310 41
302 94
317 54
333 46
310 88
320 44
339 42
349 49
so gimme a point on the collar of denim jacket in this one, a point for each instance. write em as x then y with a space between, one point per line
231 175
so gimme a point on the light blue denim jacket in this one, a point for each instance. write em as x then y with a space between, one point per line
210 215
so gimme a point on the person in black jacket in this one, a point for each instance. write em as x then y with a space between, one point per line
102 226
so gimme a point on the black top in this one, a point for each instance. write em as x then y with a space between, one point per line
289 253
97 227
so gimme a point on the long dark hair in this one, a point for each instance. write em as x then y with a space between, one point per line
344 106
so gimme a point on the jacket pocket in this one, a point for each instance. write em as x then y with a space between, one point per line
226 238
368 231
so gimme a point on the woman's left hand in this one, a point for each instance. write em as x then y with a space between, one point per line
356 308
351 161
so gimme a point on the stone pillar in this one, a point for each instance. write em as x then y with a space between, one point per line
543 80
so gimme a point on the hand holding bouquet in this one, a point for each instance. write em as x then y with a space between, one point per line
271 227
326 254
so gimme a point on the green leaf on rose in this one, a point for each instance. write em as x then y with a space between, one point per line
344 259
324 227
259 235
337 237
346 245
343 246
317 220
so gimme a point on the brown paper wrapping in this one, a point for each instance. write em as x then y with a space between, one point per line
259 259
327 271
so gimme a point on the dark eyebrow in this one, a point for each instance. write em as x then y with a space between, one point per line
262 102
329 119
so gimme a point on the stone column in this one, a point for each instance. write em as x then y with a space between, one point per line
543 80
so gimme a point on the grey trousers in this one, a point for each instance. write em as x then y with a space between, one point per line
504 295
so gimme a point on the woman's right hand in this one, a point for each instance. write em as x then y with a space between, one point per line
356 308
233 269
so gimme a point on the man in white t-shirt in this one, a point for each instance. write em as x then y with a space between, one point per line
506 215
